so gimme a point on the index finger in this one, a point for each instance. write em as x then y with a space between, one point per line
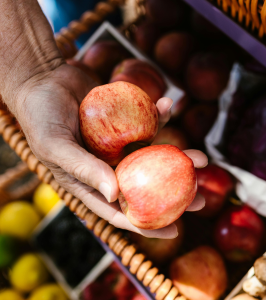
199 159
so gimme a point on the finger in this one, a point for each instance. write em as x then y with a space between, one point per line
164 110
197 204
199 159
168 232
110 212
84 166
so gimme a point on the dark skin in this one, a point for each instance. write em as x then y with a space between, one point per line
44 94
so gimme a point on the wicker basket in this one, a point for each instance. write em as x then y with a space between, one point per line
251 14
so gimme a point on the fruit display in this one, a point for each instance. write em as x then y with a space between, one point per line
121 125
197 58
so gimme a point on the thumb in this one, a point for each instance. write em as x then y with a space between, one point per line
84 166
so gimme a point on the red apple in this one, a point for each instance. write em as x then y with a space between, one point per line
198 120
207 75
116 119
145 36
160 251
172 136
103 56
173 50
199 274
85 69
215 184
142 75
166 13
239 233
157 184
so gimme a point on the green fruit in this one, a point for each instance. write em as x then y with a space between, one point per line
8 250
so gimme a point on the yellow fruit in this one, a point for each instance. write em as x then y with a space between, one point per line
48 292
18 219
9 294
28 272
45 198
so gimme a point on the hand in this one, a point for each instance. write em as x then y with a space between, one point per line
48 113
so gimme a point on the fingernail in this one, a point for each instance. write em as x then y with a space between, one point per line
176 234
170 106
203 166
105 189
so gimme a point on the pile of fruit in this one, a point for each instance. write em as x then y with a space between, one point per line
23 274
194 55
159 182
216 245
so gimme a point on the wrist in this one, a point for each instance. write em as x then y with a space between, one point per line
28 50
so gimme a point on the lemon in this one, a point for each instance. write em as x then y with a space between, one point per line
18 219
50 291
9 294
45 198
8 250
27 273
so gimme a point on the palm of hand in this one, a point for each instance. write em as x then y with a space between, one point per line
49 118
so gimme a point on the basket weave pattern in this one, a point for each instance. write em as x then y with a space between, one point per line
249 13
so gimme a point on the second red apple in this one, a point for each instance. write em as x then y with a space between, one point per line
142 75
215 184
157 184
